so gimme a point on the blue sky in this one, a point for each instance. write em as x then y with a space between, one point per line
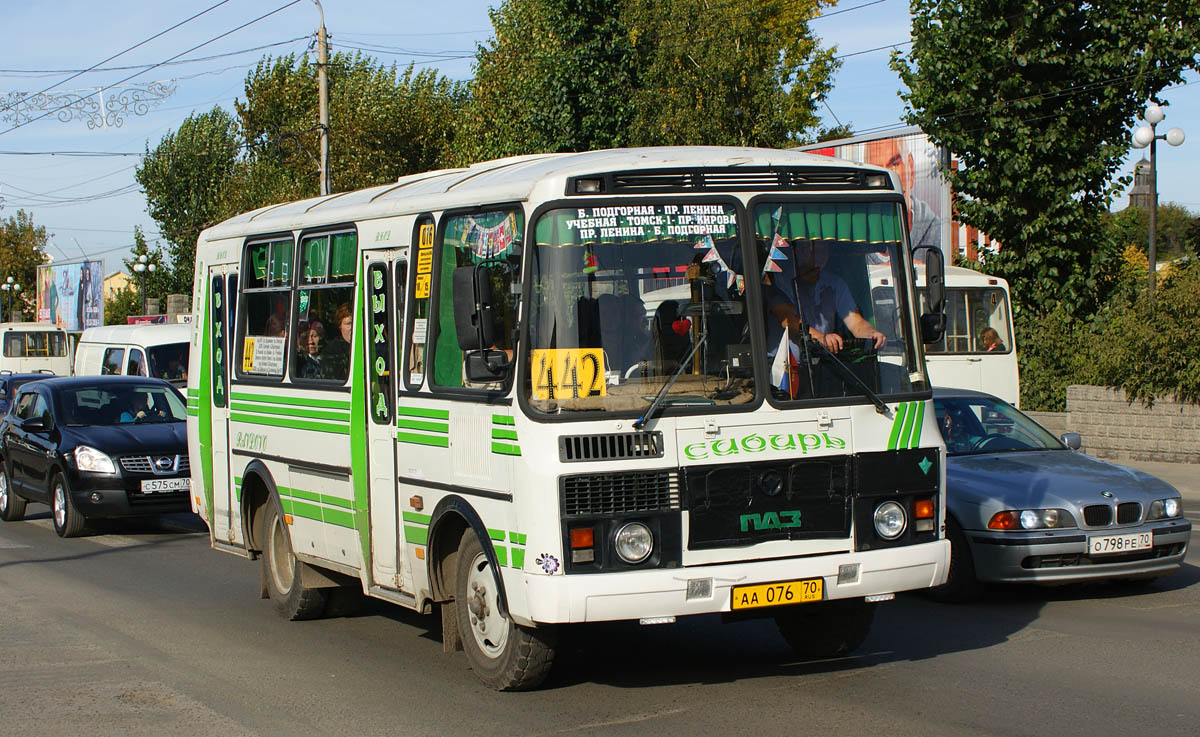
90 204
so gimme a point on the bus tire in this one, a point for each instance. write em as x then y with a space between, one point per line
829 629
961 585
282 573
12 507
68 522
503 654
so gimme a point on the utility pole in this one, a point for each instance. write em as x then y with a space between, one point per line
323 87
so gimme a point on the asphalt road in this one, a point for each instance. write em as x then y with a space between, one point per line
142 630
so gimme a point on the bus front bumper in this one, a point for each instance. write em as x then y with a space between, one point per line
643 594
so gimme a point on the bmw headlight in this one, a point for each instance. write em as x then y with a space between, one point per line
92 460
1030 519
890 520
633 542
1164 508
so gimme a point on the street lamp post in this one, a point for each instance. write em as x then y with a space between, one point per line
1147 136
143 266
11 290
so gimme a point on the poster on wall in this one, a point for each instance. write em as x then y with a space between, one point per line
71 295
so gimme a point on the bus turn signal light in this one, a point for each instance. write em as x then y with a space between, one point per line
582 537
923 509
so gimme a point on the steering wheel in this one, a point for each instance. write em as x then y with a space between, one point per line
987 439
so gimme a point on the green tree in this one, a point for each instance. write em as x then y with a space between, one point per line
185 179
22 250
158 283
715 72
1176 231
577 75
122 303
383 124
1035 98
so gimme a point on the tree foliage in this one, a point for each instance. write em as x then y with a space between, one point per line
577 75
22 250
1176 235
1035 98
185 178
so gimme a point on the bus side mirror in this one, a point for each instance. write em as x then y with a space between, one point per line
473 318
475 325
933 321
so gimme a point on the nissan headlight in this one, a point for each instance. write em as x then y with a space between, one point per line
633 542
92 460
890 520
1164 509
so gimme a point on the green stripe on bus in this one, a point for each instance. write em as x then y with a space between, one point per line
506 449
312 496
294 401
906 433
337 517
897 423
315 513
501 555
503 420
437 441
496 534
441 427
421 519
517 538
498 434
193 412
314 414
916 438
518 556
416 535
293 424
434 414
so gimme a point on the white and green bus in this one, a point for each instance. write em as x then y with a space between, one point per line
547 389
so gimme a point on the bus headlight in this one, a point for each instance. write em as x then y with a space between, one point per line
890 520
633 542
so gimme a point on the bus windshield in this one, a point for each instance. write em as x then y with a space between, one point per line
626 298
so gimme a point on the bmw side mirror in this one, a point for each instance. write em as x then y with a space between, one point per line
1072 440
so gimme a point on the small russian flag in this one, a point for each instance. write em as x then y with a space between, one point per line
785 373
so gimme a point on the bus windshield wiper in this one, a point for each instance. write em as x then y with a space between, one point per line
658 398
849 377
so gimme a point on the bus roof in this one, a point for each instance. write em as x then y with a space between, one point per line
515 179
139 334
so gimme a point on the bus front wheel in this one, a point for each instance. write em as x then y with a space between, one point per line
505 655
826 630
282 572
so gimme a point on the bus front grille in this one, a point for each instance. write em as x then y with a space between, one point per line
620 493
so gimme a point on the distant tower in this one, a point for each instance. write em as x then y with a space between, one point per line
1139 194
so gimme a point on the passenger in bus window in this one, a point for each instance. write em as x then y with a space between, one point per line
823 296
990 340
308 346
335 359
275 327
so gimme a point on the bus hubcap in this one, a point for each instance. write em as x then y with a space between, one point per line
282 567
489 628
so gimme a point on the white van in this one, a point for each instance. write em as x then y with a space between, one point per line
160 351
29 347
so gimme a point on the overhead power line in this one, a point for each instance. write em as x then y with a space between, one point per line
198 59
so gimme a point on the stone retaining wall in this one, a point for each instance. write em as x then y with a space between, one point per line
1113 428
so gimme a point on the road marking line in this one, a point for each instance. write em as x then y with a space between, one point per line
10 545
110 541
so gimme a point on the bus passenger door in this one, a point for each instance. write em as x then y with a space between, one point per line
222 297
380 314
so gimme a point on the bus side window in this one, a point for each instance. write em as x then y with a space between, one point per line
325 310
417 331
268 294
468 240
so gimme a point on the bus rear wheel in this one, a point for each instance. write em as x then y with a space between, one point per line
282 572
505 655
826 630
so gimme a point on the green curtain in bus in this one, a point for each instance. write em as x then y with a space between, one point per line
866 223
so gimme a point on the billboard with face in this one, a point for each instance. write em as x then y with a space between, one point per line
915 161
71 295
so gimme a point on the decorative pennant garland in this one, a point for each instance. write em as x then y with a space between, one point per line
486 243
734 281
